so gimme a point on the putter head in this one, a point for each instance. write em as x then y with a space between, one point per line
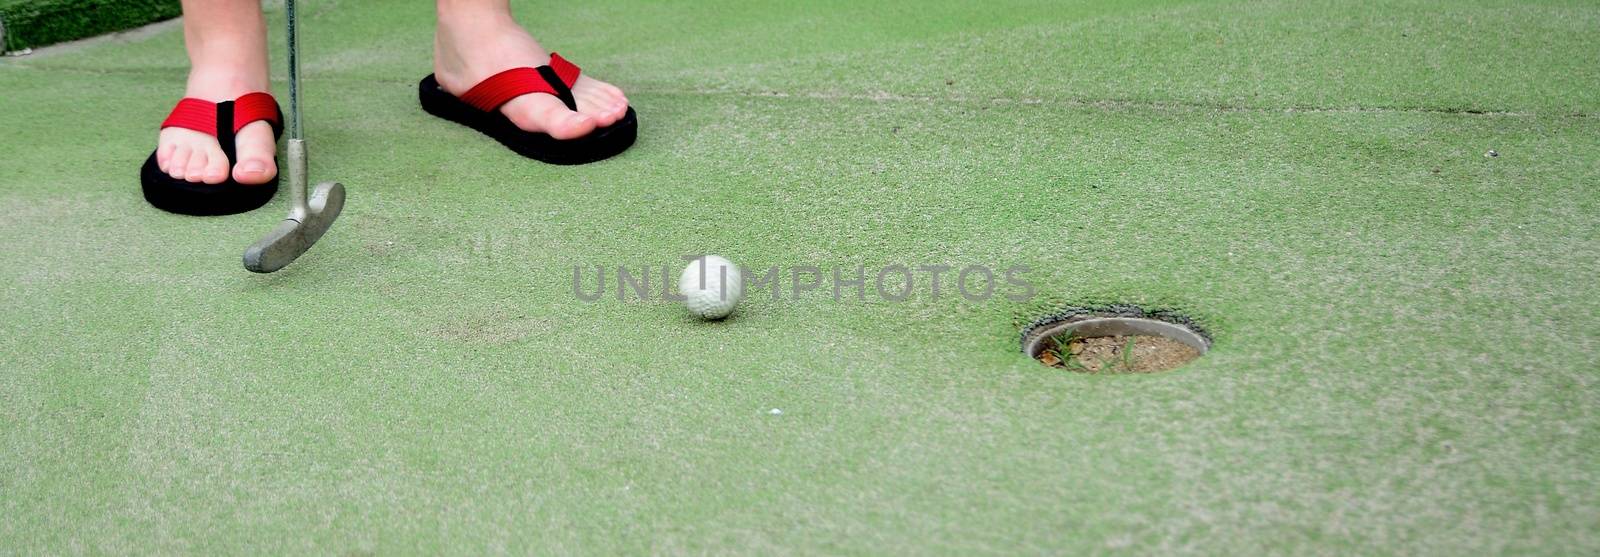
293 236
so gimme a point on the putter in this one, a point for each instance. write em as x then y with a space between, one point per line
309 217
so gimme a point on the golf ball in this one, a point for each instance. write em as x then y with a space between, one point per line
711 287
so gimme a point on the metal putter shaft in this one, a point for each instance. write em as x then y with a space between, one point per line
309 217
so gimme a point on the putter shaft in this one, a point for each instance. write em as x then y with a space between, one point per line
293 18
309 215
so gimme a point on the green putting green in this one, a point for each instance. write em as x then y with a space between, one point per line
1406 353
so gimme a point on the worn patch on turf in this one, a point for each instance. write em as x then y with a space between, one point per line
1115 339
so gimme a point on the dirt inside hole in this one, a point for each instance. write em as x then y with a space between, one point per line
1115 354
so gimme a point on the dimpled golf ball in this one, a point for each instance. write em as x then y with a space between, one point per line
711 287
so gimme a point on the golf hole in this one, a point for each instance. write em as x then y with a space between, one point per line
1114 341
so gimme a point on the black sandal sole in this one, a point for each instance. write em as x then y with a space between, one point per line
600 144
201 199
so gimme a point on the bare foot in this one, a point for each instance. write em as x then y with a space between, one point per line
470 47
189 155
227 45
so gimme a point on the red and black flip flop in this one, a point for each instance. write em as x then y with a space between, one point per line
479 109
222 120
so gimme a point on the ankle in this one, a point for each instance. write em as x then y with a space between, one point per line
473 15
470 49
224 81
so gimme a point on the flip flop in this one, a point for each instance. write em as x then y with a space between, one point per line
479 109
222 120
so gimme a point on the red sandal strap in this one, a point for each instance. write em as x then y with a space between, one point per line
566 70
500 88
255 107
194 114
201 115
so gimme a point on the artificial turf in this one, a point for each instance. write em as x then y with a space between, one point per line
1405 354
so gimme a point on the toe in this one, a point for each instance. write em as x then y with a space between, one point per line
216 168
619 106
255 146
613 93
566 124
164 154
615 103
545 113
179 161
604 108
196 169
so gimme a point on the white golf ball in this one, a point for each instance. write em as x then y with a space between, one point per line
711 287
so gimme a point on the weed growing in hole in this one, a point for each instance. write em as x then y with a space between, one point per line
1065 351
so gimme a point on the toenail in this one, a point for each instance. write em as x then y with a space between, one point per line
253 167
